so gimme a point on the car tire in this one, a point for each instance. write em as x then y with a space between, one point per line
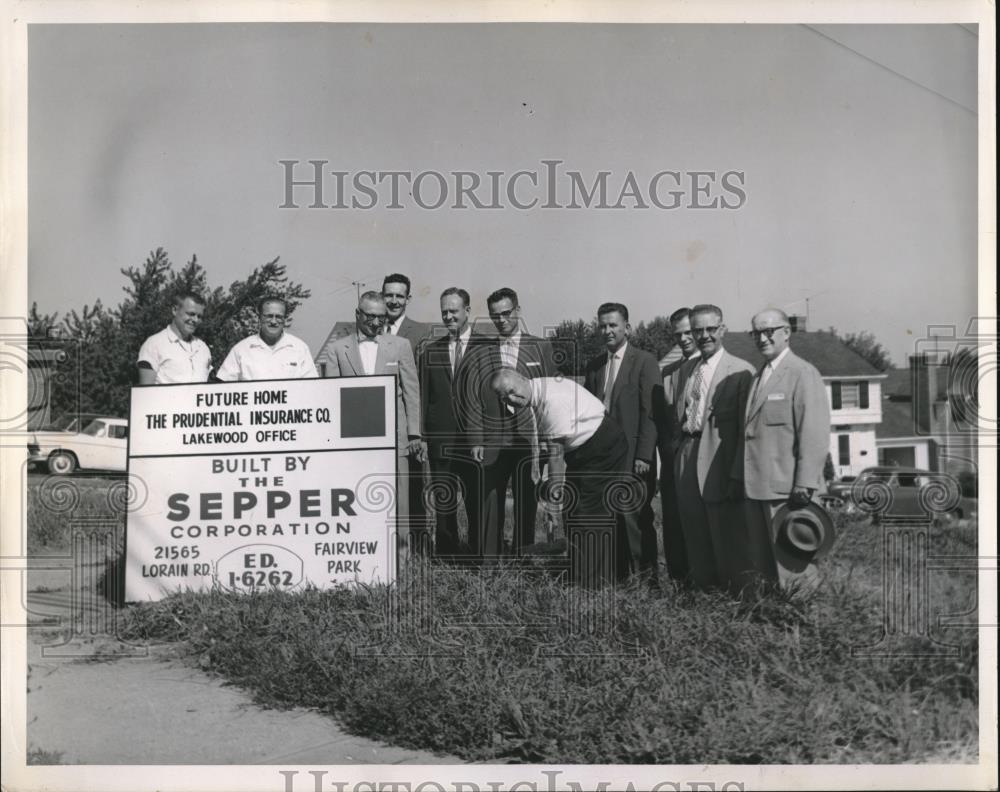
62 463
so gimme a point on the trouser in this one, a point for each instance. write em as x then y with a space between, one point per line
762 533
512 466
715 533
592 470
674 549
640 551
456 483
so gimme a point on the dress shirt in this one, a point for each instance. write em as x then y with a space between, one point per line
765 375
368 350
464 336
611 369
697 401
509 348
175 360
393 329
564 412
254 359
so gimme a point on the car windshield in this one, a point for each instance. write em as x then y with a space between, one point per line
95 429
66 423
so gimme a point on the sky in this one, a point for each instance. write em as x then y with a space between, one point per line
857 146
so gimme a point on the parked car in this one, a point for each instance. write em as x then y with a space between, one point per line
101 445
896 492
838 493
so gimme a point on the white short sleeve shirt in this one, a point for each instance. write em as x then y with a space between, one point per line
253 359
175 360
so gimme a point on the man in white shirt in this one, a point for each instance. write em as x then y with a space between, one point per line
174 355
708 460
270 354
569 419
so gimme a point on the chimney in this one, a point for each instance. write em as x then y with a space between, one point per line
924 373
797 322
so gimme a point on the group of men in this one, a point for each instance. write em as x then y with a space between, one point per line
478 413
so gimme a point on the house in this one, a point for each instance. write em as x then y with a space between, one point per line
339 330
853 386
929 418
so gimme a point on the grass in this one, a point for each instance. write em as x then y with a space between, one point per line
487 664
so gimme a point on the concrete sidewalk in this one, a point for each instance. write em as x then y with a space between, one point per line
88 706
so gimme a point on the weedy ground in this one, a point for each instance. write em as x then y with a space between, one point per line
512 664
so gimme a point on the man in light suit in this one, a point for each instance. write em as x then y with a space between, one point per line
501 440
787 437
448 453
368 351
623 378
708 460
665 416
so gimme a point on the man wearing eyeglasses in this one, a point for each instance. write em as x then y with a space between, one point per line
369 351
271 353
708 455
664 414
502 440
787 437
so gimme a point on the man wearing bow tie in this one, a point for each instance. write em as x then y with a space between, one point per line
708 455
369 351
787 436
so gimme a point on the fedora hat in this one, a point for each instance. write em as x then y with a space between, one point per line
801 535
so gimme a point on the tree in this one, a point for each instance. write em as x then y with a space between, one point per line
656 337
101 346
574 343
864 344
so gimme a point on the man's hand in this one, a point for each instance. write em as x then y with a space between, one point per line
417 448
640 467
800 497
478 453
734 490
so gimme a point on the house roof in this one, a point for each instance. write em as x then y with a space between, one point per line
898 384
824 350
339 330
897 421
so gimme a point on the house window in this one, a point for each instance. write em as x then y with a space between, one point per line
849 395
844 449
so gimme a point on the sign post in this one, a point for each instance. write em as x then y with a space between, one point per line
248 486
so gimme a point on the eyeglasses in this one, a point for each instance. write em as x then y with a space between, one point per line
371 317
700 331
766 331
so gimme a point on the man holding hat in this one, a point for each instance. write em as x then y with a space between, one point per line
786 441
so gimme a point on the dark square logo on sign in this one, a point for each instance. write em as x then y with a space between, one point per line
362 412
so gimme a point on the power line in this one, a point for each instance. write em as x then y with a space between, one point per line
891 71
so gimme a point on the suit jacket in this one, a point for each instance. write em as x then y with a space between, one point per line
414 332
720 451
631 398
482 418
394 357
437 402
787 431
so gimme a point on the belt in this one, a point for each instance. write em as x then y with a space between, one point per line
690 434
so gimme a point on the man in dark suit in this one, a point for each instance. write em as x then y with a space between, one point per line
708 462
664 415
624 377
396 291
502 440
452 469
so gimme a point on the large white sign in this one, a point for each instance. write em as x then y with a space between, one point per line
261 485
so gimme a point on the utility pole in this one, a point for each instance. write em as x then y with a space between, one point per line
358 284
